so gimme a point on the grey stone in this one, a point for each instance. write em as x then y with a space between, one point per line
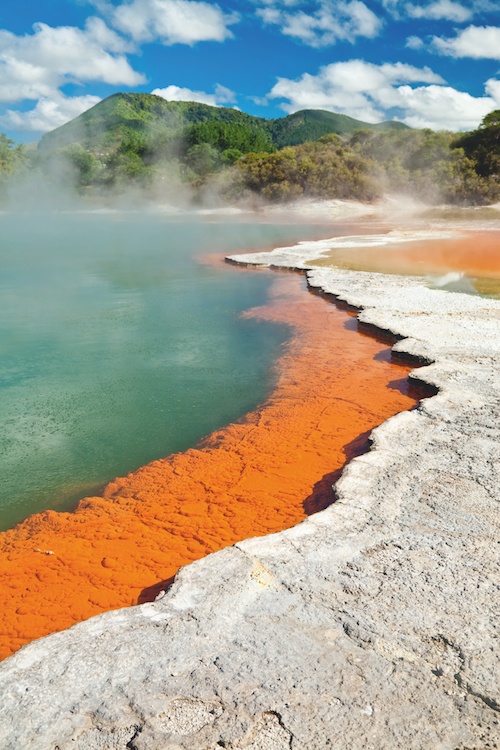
369 625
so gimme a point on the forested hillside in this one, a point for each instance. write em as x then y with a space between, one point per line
143 141
105 125
311 124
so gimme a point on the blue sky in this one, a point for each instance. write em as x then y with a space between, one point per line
428 63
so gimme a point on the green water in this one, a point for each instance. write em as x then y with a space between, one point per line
117 347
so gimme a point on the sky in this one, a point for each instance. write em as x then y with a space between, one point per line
427 63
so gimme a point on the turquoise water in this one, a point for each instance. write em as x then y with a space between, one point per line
118 347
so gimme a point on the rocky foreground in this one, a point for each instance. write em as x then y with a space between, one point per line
369 625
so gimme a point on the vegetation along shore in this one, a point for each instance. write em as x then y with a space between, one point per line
190 152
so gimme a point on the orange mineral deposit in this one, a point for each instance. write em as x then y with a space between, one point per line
256 476
475 253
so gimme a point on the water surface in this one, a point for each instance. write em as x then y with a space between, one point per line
117 347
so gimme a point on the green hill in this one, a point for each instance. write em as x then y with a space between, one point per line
104 127
311 124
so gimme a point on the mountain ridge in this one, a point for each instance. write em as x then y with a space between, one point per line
106 124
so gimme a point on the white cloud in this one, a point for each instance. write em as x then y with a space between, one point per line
442 107
356 88
342 21
478 42
49 113
108 39
271 15
414 42
284 3
492 87
35 65
172 21
373 93
221 97
441 10
395 8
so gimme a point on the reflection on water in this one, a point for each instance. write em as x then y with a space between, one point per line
466 262
117 347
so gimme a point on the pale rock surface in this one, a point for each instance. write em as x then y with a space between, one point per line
371 625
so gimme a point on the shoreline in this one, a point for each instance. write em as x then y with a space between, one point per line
255 476
369 624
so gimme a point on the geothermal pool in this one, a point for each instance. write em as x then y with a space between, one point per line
125 339
119 347
129 288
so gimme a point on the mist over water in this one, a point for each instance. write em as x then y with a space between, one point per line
117 347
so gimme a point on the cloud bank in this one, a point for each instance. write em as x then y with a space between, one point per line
477 42
49 113
373 93
172 21
328 24
37 66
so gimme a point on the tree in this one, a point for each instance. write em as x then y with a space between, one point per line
12 156
231 155
203 159
88 168
483 145
229 135
328 168
491 120
128 167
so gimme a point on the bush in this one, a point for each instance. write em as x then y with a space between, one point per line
327 168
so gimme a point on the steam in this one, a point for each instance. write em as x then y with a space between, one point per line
448 279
